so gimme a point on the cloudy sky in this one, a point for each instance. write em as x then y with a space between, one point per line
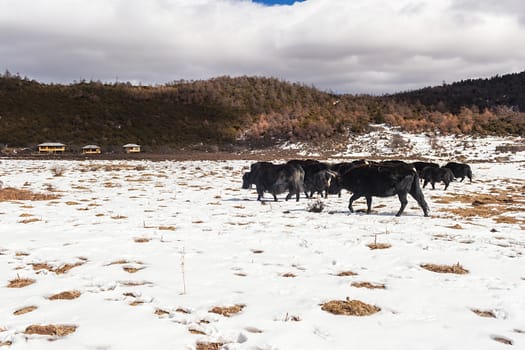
356 46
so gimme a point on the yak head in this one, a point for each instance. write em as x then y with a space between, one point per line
247 180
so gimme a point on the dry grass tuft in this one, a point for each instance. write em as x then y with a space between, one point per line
502 340
209 346
288 274
67 295
20 283
346 273
349 308
455 227
119 217
66 267
58 270
42 266
378 245
167 228
130 269
50 329
368 285
457 268
228 310
161 312
135 283
136 303
119 262
28 221
25 310
484 313
142 240
14 194
6 343
195 331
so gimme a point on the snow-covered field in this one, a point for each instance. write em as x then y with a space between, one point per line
154 247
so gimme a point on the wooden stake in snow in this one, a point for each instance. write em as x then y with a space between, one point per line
183 272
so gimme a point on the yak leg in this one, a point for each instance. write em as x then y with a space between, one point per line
368 204
463 178
425 183
274 197
433 185
260 194
403 199
352 199
446 185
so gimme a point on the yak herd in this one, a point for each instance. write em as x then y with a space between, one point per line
361 177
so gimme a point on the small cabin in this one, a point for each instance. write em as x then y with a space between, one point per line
51 147
131 148
91 149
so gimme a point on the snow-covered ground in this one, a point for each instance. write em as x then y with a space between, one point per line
160 244
385 141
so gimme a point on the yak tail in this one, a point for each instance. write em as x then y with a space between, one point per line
417 194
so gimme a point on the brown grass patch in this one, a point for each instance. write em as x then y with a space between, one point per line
379 246
67 295
6 343
142 240
130 269
66 267
195 331
72 203
20 282
119 217
14 194
50 329
167 228
209 346
42 266
368 285
58 270
346 273
457 268
25 310
493 205
455 227
161 312
502 340
135 283
484 313
28 221
227 310
136 303
349 308
288 274
119 262
21 254
25 215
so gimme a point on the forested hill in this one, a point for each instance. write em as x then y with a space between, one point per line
506 90
254 111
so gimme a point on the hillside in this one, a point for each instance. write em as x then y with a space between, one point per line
248 111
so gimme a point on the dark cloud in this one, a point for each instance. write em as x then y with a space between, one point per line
359 46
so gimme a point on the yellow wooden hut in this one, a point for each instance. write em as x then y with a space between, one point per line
131 148
51 147
91 149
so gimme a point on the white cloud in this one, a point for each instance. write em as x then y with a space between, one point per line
363 46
